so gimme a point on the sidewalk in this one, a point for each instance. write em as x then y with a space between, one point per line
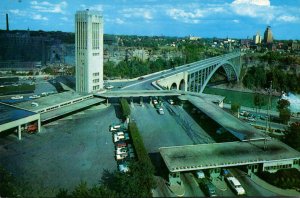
274 189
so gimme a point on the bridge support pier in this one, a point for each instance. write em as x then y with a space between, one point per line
141 101
19 132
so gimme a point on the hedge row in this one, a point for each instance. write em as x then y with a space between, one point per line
138 143
125 108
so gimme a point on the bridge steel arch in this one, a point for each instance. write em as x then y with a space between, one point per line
228 72
194 77
198 79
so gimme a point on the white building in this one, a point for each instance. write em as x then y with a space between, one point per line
257 38
89 51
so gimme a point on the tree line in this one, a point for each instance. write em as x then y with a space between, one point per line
191 52
260 78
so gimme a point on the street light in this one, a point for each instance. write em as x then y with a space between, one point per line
268 126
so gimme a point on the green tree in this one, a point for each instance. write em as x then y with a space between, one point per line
292 136
285 115
283 104
125 108
259 101
235 108
49 70
284 111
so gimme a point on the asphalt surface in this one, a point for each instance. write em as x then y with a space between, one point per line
65 152
174 128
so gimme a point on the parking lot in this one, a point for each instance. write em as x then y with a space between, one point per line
78 147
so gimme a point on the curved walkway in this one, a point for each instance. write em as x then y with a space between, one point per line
274 189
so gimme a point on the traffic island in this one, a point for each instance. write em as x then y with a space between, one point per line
220 184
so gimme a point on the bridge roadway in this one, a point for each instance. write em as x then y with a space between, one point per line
138 93
191 67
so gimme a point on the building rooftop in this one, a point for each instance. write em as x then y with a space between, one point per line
207 97
238 128
205 156
9 113
70 108
51 100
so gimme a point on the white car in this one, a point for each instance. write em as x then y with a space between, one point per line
118 138
123 168
236 185
17 97
34 96
161 111
114 127
120 151
109 87
121 156
171 101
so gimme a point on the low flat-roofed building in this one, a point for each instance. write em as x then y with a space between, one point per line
270 156
58 105
17 119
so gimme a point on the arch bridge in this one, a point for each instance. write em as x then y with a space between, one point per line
195 76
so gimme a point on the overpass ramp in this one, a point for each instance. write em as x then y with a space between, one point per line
241 130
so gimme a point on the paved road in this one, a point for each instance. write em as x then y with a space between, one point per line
158 130
191 186
251 188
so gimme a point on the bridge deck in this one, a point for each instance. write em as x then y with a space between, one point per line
205 156
238 128
138 93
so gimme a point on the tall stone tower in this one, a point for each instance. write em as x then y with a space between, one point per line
89 51
268 36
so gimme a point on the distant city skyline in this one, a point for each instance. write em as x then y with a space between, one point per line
205 18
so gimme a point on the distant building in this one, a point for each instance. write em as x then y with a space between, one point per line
89 51
268 36
193 38
257 38
295 45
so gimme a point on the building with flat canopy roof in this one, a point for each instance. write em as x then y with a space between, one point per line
269 155
17 119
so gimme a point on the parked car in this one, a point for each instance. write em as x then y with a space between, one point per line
235 185
200 174
123 167
120 151
209 189
121 144
121 156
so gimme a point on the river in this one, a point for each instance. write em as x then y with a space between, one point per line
243 98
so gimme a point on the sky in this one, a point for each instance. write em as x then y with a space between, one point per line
202 18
